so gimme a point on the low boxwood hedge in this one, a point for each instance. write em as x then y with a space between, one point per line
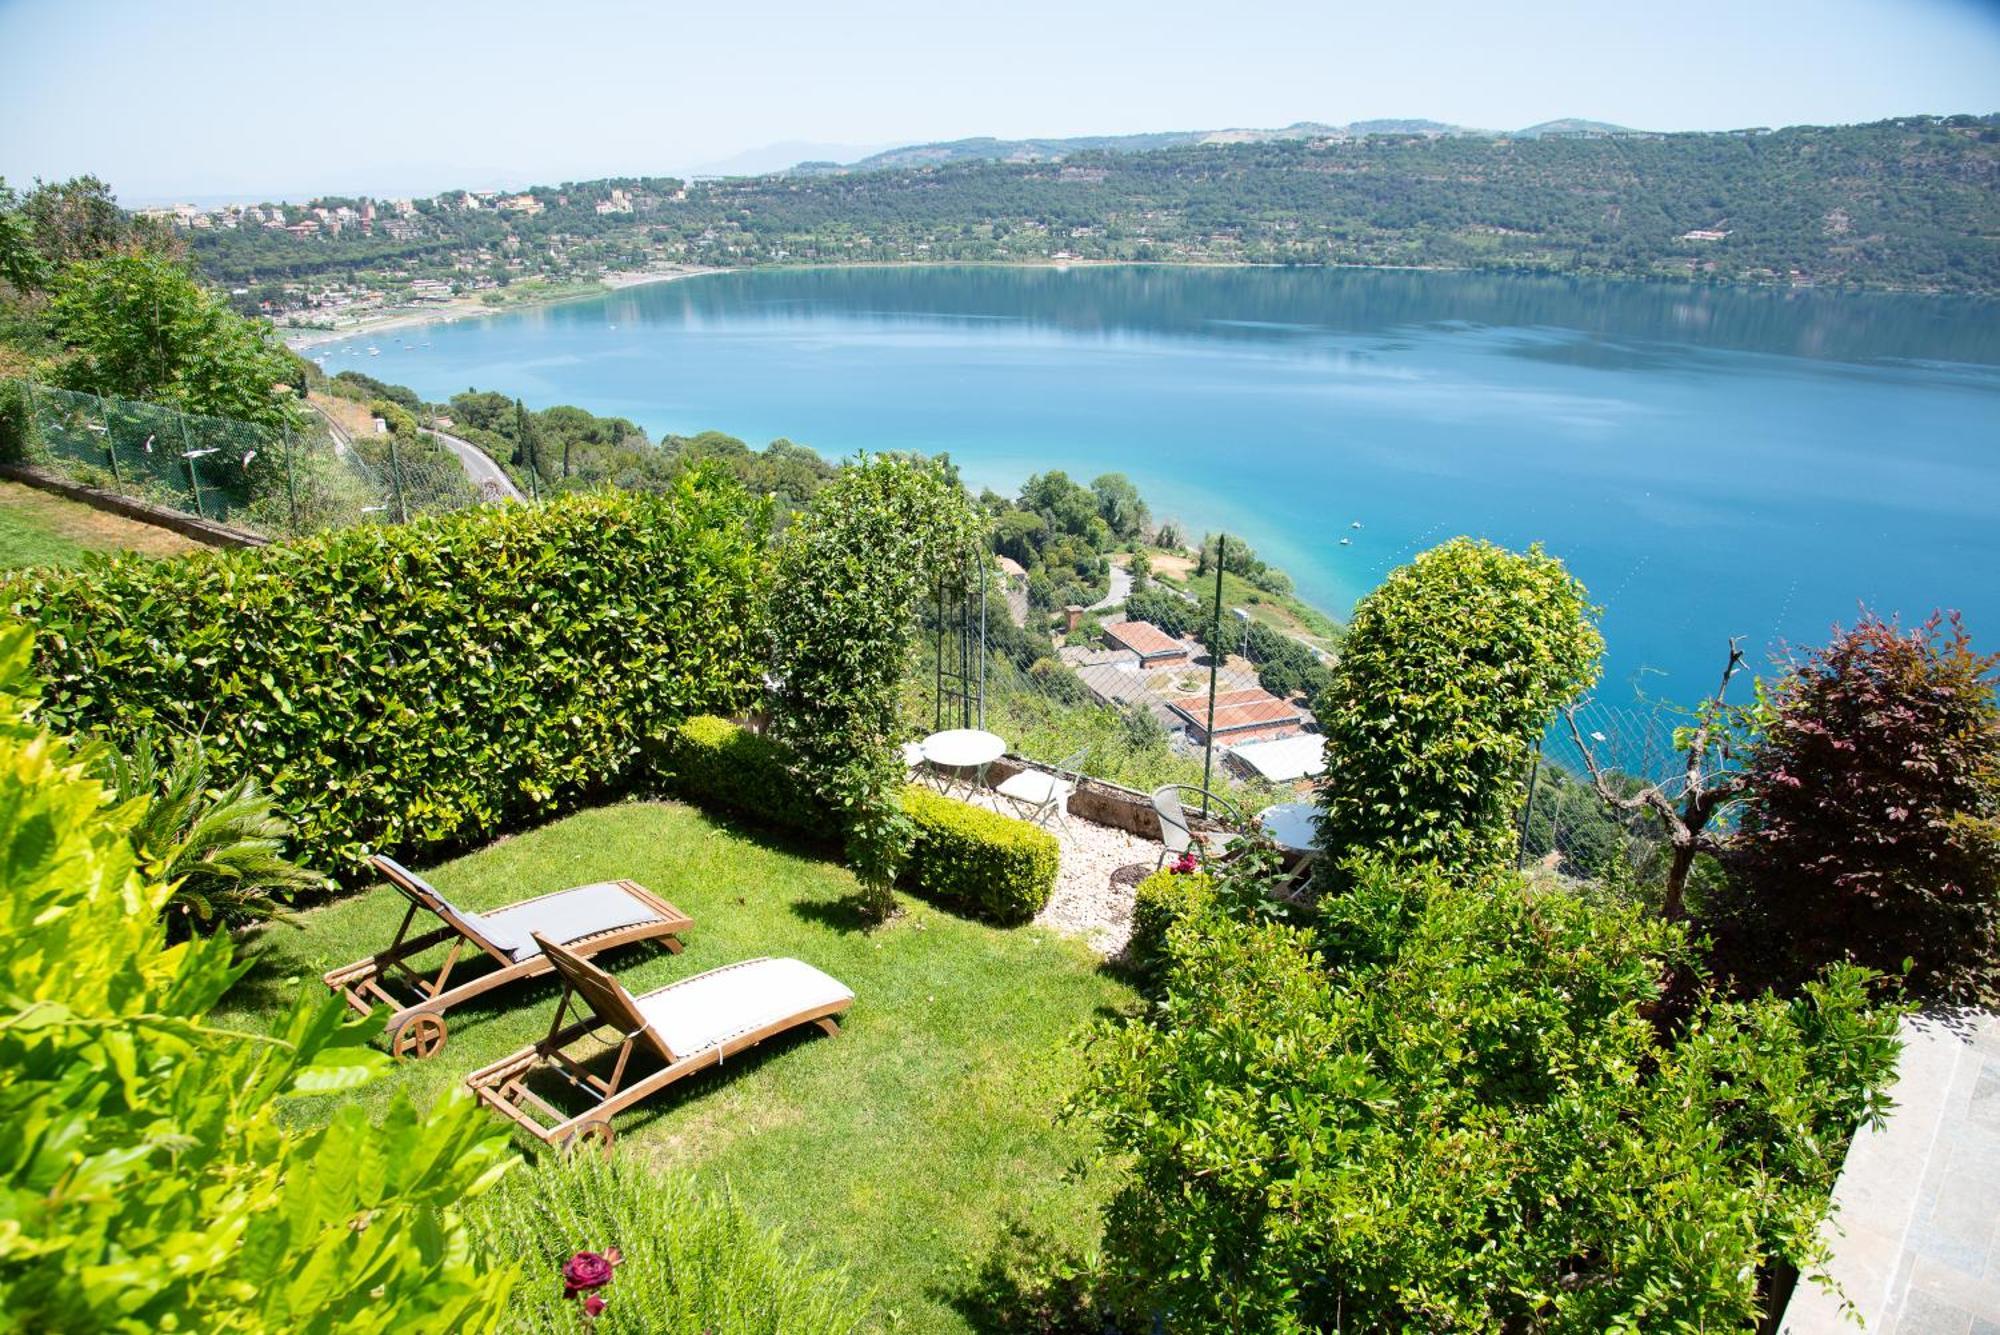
992 865
723 766
409 686
1160 901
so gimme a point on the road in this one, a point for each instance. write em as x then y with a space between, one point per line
489 477
1121 589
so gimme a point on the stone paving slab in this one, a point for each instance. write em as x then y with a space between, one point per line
1915 1230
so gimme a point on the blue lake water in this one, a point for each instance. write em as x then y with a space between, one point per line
1710 463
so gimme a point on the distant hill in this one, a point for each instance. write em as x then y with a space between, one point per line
1910 204
1053 150
1571 125
777 157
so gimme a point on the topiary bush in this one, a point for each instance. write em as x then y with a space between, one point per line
409 686
1451 1111
1870 826
999 868
1159 903
689 1263
1448 674
851 574
151 1177
720 764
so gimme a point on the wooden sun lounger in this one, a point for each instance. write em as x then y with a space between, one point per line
690 1025
416 1025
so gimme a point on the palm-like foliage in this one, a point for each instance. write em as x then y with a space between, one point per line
221 847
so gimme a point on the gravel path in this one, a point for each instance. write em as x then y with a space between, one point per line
1092 898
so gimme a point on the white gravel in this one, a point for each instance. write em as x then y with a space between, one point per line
1092 899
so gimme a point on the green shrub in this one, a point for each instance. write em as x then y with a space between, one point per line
413 685
690 1263
221 846
1448 674
1160 902
719 764
1452 1111
19 434
999 868
1870 825
150 1177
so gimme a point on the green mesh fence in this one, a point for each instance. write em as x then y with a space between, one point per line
281 483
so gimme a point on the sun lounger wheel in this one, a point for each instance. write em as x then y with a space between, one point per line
421 1034
593 1135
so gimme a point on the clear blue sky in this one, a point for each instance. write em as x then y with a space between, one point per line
187 98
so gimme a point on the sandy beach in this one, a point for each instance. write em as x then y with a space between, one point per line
471 308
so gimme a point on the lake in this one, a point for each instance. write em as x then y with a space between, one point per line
1710 463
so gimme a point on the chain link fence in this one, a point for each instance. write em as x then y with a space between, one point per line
1565 825
276 482
1135 704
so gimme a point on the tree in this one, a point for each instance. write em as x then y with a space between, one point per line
527 445
1142 572
1871 818
1119 504
851 575
1686 809
140 327
78 219
21 266
1063 505
1020 535
1449 672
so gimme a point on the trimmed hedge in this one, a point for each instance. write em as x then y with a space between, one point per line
403 687
996 866
1158 903
990 865
719 764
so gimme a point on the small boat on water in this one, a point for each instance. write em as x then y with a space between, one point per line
374 352
1347 542
1355 524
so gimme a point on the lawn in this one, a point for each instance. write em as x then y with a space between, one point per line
902 1148
38 529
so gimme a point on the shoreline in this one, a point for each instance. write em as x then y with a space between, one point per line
463 308
406 317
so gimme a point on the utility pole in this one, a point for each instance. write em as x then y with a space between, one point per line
1214 653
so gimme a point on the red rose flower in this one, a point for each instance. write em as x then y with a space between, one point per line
593 1305
586 1270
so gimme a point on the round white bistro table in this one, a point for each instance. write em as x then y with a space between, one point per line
1291 826
962 752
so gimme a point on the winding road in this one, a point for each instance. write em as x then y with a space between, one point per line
489 477
1121 589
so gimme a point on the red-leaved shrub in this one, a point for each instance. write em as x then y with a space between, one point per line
1871 825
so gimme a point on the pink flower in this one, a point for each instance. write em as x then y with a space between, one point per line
593 1305
586 1270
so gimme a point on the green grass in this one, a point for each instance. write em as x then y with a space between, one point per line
40 529
25 541
1282 612
903 1148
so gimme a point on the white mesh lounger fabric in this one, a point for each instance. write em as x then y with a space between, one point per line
693 1025
585 919
708 1010
564 917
